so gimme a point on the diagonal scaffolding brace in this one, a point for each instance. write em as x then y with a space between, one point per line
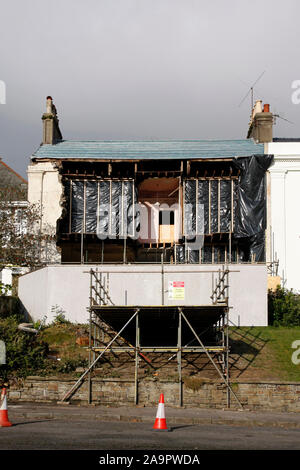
81 379
210 358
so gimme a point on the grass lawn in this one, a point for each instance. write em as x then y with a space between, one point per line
259 353
268 351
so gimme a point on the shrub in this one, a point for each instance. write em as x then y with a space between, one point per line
68 365
25 353
60 318
283 307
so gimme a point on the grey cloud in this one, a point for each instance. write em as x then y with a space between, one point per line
144 68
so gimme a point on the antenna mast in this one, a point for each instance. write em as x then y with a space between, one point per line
251 90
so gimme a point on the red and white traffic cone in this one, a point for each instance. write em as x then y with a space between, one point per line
160 421
4 422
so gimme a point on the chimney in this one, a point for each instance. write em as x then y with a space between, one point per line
261 123
51 131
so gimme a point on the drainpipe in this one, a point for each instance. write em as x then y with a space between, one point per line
41 210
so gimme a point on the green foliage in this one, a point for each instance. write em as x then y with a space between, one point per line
21 241
40 324
25 353
60 318
61 338
5 288
68 364
283 307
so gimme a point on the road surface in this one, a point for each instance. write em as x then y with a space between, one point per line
58 434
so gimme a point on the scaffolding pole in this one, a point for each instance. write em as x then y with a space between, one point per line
137 345
179 358
90 339
227 356
211 360
92 365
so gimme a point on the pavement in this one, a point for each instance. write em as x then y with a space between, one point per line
142 414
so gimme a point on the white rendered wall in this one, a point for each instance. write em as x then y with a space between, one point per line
45 189
67 286
284 220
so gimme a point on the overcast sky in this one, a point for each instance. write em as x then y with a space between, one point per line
144 69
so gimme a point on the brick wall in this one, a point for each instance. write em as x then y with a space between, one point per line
202 393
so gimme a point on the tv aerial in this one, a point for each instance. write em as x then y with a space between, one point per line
251 90
280 117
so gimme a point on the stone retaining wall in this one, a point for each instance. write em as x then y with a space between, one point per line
202 393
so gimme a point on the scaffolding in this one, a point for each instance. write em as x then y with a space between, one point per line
131 335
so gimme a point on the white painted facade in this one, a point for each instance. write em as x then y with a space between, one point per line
283 206
45 190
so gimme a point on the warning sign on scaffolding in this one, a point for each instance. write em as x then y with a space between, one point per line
176 290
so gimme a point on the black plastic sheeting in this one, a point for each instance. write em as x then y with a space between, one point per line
220 202
77 206
211 195
250 211
225 206
203 200
115 203
190 207
91 195
249 207
212 254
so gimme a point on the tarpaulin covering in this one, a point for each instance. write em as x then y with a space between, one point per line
104 210
77 206
64 221
203 201
250 215
208 254
91 202
131 219
186 254
214 203
214 206
108 208
250 211
190 208
225 206
180 253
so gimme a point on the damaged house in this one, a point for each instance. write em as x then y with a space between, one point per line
135 209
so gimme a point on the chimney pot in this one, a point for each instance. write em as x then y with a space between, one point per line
266 108
51 131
